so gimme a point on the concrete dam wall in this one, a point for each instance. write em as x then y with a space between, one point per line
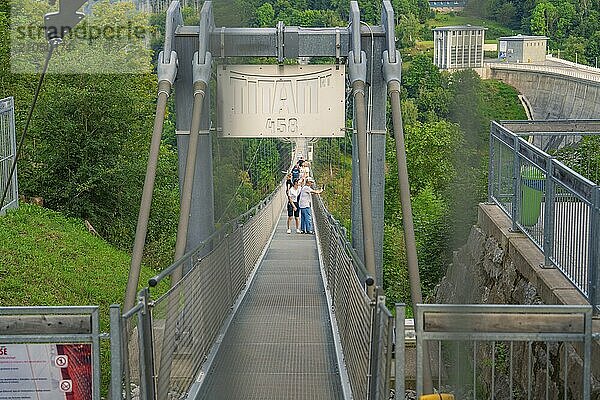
554 93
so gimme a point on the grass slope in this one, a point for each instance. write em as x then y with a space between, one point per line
49 259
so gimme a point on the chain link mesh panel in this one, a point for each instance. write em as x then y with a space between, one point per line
352 307
189 316
8 151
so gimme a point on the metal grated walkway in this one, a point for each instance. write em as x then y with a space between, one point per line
280 343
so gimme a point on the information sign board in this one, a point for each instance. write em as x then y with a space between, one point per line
46 371
502 49
281 100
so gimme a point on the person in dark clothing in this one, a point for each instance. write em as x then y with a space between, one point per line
295 172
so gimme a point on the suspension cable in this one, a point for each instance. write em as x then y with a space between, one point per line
51 46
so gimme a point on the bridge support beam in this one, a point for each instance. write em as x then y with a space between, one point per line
201 220
375 107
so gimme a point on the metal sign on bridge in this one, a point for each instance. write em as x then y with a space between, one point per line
281 100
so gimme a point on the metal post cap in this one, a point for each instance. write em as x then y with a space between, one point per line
201 71
167 71
357 71
392 71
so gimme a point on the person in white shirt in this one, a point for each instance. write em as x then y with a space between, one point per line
305 170
304 204
293 208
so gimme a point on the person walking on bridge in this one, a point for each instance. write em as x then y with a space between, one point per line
296 171
305 203
293 208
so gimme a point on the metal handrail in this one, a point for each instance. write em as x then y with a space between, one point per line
224 229
8 147
364 323
544 198
359 266
181 324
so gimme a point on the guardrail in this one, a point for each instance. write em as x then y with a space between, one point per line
168 339
506 351
8 151
572 64
557 208
365 325
570 72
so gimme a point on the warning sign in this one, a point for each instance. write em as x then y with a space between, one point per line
46 372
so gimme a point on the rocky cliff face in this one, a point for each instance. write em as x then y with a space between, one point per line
483 272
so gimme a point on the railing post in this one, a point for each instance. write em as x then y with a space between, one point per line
594 251
116 353
418 316
400 390
516 203
549 214
491 174
147 391
232 294
587 348
375 337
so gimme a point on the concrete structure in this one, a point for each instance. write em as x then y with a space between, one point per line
447 5
553 92
522 49
458 47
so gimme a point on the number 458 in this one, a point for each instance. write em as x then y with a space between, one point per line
282 125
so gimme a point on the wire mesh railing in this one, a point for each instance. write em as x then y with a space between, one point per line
168 339
506 351
557 208
364 325
8 151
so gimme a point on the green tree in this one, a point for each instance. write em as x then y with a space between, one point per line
85 152
408 30
505 14
543 19
575 49
265 16
430 148
592 48
422 74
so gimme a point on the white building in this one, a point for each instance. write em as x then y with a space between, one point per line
522 49
458 47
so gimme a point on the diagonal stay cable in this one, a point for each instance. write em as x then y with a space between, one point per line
51 47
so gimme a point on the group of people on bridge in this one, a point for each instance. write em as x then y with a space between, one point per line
299 190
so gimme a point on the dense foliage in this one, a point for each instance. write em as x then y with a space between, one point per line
446 125
88 142
572 25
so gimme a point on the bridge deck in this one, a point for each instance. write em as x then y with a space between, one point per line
280 343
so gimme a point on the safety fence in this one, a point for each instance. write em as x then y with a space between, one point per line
8 151
557 208
168 339
365 325
505 351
